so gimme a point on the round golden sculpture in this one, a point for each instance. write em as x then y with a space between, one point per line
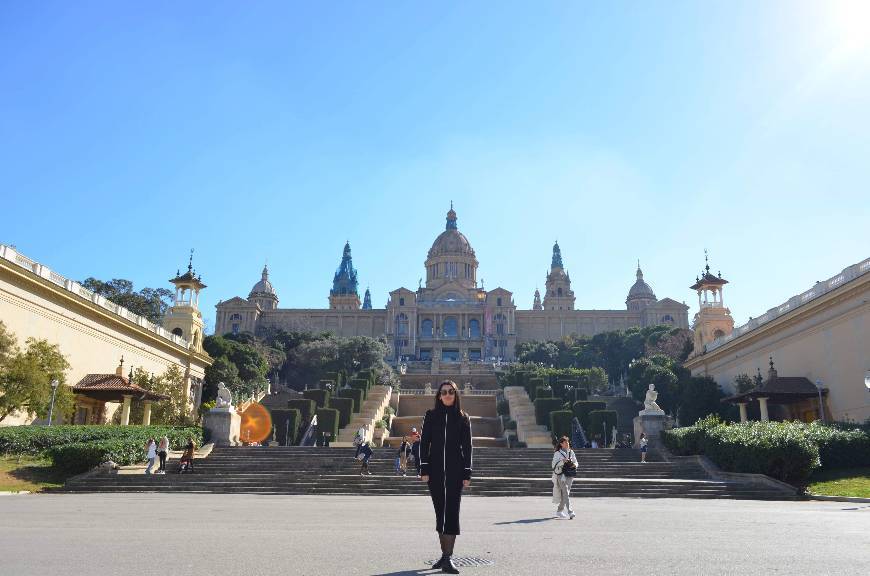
256 424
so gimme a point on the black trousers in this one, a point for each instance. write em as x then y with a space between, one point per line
162 456
446 496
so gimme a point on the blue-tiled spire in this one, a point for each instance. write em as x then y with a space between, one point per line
557 257
344 281
367 301
451 218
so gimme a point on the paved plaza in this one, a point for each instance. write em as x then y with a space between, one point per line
229 535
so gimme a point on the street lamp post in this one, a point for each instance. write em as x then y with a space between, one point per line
821 409
54 385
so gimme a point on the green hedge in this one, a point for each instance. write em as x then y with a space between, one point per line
786 451
503 408
601 423
321 397
361 384
582 408
286 422
541 392
306 407
543 407
579 395
355 395
80 457
840 448
560 423
38 439
345 409
327 421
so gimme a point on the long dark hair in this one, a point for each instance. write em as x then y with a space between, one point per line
558 445
457 405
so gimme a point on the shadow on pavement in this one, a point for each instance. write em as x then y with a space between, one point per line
526 521
411 572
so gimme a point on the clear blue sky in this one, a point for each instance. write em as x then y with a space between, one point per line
131 132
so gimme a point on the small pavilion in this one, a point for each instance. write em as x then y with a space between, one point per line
94 390
790 397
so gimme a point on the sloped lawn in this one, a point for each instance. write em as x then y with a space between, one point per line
32 473
843 482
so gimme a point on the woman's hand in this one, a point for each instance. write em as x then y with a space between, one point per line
424 478
466 483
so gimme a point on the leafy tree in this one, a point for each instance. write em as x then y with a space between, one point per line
546 353
700 397
222 370
150 303
743 383
8 348
25 379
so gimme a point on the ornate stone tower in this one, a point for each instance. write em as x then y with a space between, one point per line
713 319
344 294
640 295
367 300
537 304
559 295
184 318
451 259
263 293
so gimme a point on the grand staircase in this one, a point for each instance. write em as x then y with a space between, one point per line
497 472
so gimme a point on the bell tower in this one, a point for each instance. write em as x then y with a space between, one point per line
345 294
184 318
558 295
713 319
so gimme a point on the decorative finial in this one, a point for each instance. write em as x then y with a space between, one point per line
190 263
771 362
130 376
706 261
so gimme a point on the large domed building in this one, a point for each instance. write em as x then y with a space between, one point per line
452 318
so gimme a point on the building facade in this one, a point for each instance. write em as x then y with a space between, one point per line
451 317
819 340
94 333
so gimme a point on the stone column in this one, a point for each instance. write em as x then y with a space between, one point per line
742 406
125 410
762 405
146 413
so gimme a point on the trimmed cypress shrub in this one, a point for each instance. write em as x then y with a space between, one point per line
286 422
327 421
353 394
361 384
582 408
579 395
839 448
306 407
543 393
321 397
324 384
601 423
543 407
532 387
345 409
560 423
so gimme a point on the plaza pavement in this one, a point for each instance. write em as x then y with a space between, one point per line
235 535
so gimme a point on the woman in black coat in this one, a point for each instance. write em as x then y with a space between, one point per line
445 459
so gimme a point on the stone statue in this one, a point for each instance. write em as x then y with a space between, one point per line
427 389
649 402
224 396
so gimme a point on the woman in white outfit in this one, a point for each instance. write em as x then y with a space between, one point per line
563 476
151 455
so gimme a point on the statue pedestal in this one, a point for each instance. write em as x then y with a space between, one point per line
223 426
651 423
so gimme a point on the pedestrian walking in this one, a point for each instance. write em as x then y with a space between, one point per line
186 462
162 452
365 452
402 456
360 438
151 454
564 467
415 449
445 465
643 442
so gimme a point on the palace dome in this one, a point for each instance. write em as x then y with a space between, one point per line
263 286
641 290
451 242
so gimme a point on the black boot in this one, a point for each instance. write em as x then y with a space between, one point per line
443 543
447 565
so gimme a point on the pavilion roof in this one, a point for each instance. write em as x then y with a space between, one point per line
111 388
779 389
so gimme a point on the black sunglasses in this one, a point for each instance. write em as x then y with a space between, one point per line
448 391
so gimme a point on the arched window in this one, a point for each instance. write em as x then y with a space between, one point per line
474 328
668 319
559 291
235 318
426 328
178 331
403 325
718 334
451 328
498 301
401 301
